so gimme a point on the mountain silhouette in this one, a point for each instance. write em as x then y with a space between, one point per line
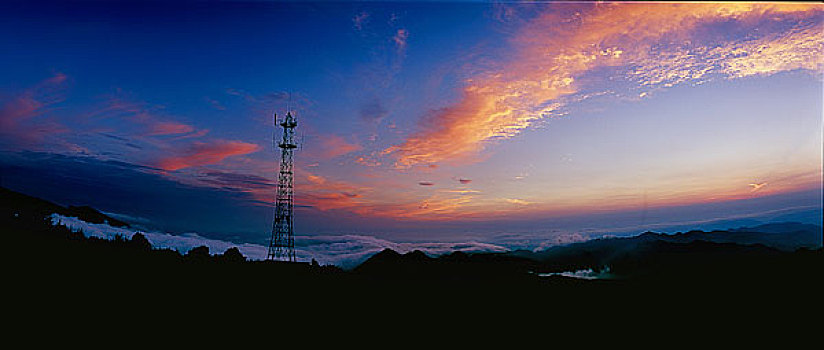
761 253
599 253
21 204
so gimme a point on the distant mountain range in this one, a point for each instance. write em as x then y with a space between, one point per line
602 252
54 266
622 257
648 254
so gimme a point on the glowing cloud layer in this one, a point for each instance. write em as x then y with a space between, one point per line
201 153
652 45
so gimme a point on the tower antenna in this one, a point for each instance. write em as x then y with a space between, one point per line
282 241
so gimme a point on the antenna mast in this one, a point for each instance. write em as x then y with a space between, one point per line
282 242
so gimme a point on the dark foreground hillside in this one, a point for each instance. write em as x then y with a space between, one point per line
51 268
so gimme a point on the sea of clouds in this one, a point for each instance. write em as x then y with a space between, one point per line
346 251
349 250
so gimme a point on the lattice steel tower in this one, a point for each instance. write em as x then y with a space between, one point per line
282 243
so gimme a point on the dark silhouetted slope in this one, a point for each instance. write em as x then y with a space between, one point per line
49 258
91 215
15 203
599 253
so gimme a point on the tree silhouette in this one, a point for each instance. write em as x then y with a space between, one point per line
233 255
198 254
140 242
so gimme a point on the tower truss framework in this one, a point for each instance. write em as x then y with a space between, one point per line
282 242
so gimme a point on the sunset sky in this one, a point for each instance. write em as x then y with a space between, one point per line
436 121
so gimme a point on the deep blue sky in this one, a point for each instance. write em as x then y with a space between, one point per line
437 121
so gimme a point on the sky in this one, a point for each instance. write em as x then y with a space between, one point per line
512 123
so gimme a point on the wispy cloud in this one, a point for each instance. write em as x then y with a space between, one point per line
17 113
205 153
330 146
146 119
199 133
359 20
327 194
368 160
168 128
440 206
237 181
516 201
558 55
463 191
757 186
400 38
215 104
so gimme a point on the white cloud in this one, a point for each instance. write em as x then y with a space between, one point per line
181 243
587 274
346 251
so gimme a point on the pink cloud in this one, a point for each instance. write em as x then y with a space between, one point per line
369 161
18 109
326 194
168 128
202 153
149 119
359 20
328 201
331 146
58 78
16 114
400 38
555 52
199 133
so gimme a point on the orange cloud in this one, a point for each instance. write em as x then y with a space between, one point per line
651 44
757 186
438 207
516 201
331 146
201 153
367 161
324 194
328 201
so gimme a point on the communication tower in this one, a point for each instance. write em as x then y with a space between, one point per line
282 243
